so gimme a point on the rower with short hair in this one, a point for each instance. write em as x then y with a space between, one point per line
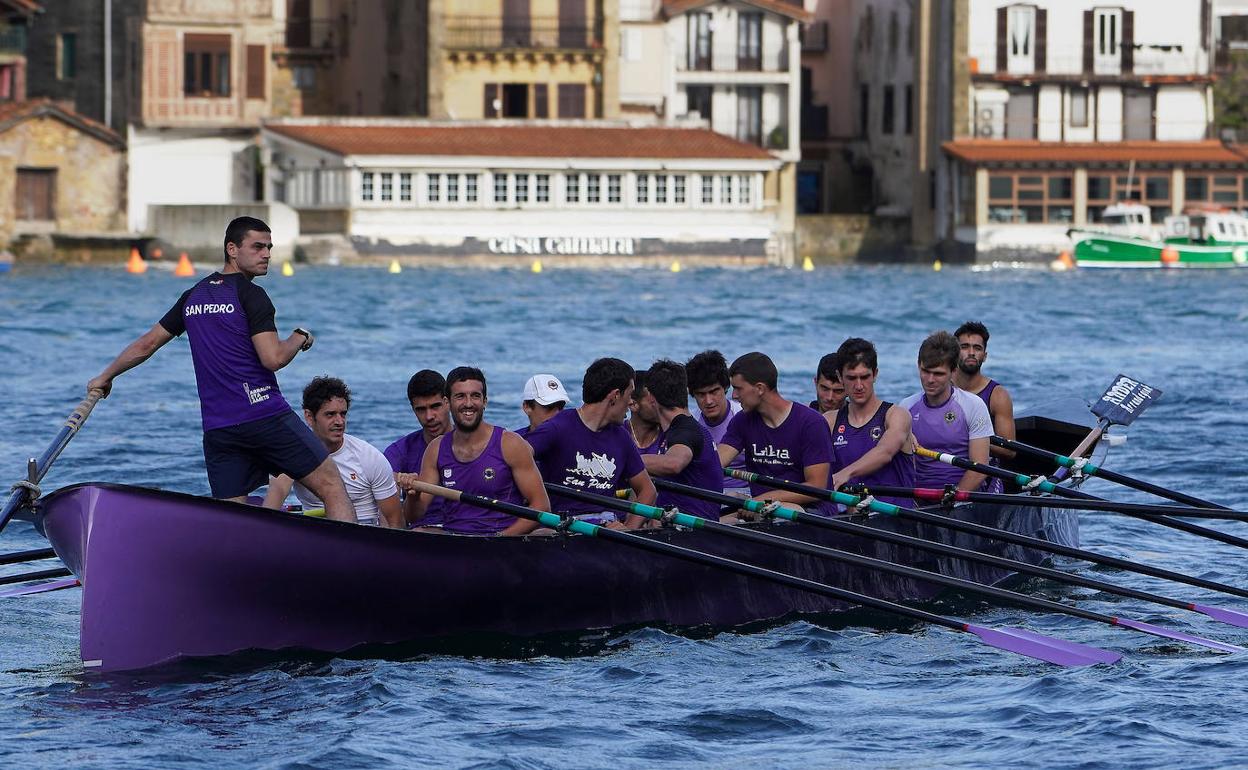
945 418
543 397
707 373
589 449
643 418
829 390
364 470
480 459
426 394
870 437
778 437
688 454
972 353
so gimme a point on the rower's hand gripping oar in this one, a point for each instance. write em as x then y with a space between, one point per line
1232 617
1014 640
28 489
1120 404
992 533
694 522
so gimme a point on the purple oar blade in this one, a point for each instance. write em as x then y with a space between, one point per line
1045 648
1234 617
1149 628
39 588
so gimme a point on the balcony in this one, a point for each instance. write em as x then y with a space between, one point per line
732 62
487 33
309 34
1148 61
814 37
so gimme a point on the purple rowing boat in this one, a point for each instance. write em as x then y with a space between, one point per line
168 576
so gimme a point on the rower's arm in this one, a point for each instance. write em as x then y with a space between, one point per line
978 452
726 454
673 461
418 502
275 352
813 476
519 457
644 493
135 353
391 512
1002 410
896 434
279 488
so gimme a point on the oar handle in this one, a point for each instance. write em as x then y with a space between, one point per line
1093 436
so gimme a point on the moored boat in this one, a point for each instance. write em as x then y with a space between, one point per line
168 576
1126 238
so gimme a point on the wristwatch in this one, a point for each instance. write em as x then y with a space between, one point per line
307 337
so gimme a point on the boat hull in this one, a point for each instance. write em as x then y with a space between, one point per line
169 576
1100 250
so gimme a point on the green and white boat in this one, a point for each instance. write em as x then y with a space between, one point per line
1126 237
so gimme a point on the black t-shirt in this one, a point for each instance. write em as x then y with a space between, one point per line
685 430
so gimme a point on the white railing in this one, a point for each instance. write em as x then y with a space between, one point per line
1148 62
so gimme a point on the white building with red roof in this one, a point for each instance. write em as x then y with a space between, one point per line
405 187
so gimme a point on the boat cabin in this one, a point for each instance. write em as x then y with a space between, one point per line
1207 228
1129 219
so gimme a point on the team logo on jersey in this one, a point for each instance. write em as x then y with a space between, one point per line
353 476
840 428
446 473
488 473
950 416
876 432
217 282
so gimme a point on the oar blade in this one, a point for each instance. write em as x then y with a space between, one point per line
1124 401
1166 633
1041 647
54 585
1234 617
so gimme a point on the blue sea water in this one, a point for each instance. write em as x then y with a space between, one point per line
866 691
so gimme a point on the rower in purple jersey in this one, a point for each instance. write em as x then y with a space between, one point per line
643 418
829 390
689 456
589 449
542 398
972 353
946 419
426 393
249 428
778 437
708 385
870 437
480 459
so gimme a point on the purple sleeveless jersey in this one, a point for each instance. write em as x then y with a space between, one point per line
852 443
488 476
729 483
220 314
993 485
405 456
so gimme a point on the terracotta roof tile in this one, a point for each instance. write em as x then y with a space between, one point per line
12 113
980 151
523 141
791 8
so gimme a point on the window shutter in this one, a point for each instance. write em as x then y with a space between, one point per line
540 101
1128 41
255 72
1003 32
1042 39
1089 40
491 96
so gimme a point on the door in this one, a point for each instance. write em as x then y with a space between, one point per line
1137 115
1020 115
36 194
516 24
573 26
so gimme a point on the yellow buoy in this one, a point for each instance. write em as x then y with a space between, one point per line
537 266
184 268
395 267
808 264
675 268
937 266
288 269
135 264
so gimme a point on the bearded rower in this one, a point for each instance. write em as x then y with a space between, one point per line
870 437
643 418
972 353
481 459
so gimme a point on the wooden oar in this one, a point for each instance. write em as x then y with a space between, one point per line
934 495
1124 400
39 469
1233 617
1042 484
984 531
936 578
1015 640
1083 465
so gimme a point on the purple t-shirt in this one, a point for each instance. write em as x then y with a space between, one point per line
784 451
569 453
717 432
220 314
946 428
405 456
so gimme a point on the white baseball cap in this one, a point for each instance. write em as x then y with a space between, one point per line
545 389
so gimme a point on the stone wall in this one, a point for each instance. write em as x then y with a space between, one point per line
199 230
854 237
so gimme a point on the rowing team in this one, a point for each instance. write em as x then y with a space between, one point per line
634 425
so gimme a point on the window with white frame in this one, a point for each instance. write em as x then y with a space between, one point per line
452 188
643 188
387 187
1021 38
405 187
522 188
433 188
725 190
660 188
708 190
500 188
572 187
592 192
541 192
366 186
613 188
470 187
678 189
744 189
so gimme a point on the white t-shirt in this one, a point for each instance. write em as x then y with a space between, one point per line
366 474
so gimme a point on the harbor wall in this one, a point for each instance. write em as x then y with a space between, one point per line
844 238
199 230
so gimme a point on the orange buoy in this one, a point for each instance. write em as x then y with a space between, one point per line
135 264
184 268
1065 259
157 253
1169 256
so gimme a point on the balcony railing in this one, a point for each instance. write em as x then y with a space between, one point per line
732 62
1147 62
814 37
489 33
309 34
13 39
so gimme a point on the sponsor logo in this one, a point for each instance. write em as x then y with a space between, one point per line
841 441
257 395
488 473
594 472
876 432
208 308
769 455
1127 394
950 416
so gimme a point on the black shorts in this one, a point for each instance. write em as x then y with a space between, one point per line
241 458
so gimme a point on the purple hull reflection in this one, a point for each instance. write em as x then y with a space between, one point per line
169 576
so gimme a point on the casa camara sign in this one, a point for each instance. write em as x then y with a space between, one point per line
563 244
